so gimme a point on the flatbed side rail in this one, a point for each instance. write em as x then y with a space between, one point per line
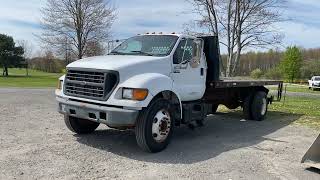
241 83
248 83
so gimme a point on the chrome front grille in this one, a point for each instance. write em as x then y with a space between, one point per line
92 77
90 84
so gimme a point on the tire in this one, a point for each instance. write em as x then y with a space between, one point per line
214 108
80 126
148 132
202 122
247 108
259 106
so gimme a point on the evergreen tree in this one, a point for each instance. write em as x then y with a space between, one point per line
10 55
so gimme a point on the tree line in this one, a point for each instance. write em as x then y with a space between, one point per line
275 64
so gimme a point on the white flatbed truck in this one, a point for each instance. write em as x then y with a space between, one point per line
154 83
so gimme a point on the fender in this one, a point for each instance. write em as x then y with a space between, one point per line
154 82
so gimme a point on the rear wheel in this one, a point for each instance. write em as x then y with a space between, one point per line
214 109
247 108
154 126
259 107
80 126
256 107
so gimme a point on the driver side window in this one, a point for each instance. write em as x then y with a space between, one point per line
184 51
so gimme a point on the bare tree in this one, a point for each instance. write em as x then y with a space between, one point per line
95 49
76 22
27 54
27 47
240 24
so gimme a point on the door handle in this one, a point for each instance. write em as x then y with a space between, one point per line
201 71
176 71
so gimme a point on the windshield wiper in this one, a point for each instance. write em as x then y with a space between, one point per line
141 52
117 53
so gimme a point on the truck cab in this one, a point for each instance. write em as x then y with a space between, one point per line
153 83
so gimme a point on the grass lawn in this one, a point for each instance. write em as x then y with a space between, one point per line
308 108
36 79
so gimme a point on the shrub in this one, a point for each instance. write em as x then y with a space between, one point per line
256 74
273 73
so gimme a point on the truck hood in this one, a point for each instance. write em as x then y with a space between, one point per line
126 65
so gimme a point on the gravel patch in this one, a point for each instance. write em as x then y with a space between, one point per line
35 144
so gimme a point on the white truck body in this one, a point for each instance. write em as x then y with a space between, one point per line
152 83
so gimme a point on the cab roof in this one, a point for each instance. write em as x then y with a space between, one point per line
167 34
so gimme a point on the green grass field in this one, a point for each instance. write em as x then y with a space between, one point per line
307 108
36 79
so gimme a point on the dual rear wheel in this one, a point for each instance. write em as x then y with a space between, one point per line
255 107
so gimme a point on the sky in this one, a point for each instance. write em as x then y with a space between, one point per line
20 19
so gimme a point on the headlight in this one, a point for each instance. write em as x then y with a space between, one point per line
59 85
134 94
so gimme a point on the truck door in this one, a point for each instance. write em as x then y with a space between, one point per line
189 69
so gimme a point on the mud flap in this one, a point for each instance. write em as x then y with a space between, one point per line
312 157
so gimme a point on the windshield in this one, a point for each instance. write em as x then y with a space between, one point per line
148 45
317 78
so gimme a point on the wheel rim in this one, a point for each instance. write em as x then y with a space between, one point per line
161 125
264 106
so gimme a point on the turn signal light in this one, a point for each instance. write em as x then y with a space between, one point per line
140 94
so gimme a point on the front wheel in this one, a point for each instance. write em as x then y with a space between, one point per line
80 126
154 126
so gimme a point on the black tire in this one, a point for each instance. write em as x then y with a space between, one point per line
202 122
80 126
214 108
247 108
144 125
259 106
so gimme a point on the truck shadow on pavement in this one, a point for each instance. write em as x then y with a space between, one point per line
222 133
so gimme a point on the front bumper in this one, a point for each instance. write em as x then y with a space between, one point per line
111 116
